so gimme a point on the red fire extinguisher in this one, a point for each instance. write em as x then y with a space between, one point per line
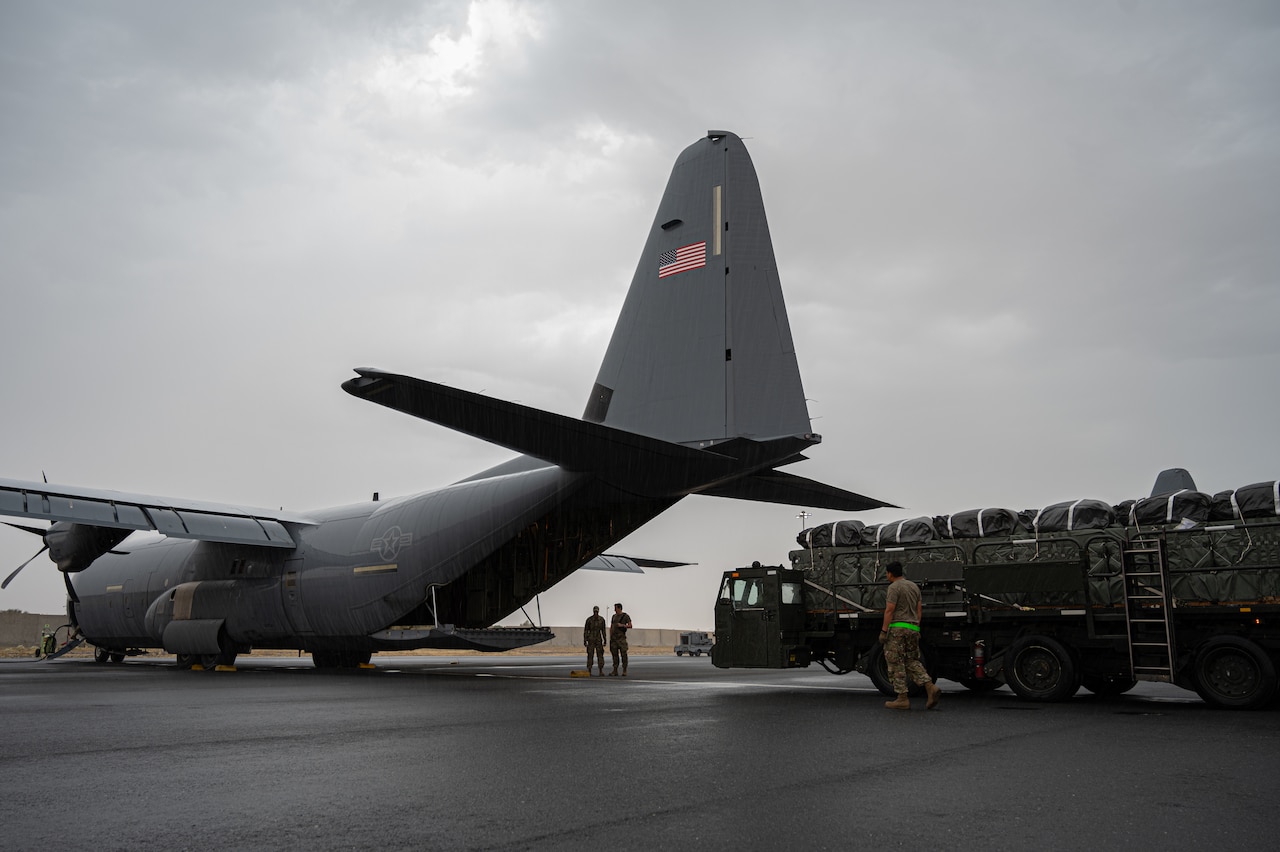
980 659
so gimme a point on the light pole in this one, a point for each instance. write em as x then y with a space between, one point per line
803 516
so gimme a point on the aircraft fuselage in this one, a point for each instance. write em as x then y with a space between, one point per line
360 569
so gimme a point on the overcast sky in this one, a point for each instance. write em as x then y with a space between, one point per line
1030 251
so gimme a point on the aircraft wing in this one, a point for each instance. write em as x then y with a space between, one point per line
172 517
628 564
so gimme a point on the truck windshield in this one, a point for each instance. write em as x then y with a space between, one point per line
744 592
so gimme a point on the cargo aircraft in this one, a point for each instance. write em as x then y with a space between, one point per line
699 393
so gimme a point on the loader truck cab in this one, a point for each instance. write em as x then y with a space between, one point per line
760 619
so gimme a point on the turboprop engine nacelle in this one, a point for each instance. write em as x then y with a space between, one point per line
73 547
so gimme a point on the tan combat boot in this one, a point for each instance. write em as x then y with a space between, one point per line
902 702
934 695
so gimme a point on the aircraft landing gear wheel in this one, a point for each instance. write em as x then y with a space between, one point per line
101 655
185 661
1233 672
212 661
340 659
117 657
1039 668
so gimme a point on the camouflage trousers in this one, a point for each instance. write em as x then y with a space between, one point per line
618 648
902 656
595 651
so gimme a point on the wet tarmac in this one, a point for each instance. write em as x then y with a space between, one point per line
513 753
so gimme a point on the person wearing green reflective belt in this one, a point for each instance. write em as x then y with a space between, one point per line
900 636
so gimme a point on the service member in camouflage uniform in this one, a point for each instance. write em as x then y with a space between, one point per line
618 628
900 636
593 639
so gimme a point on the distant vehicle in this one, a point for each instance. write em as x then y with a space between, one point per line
694 644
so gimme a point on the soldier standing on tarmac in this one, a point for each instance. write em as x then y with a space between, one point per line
900 637
593 639
618 638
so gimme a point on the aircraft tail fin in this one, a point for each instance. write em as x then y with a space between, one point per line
702 351
1171 480
699 391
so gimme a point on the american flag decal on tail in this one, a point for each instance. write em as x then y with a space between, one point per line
683 259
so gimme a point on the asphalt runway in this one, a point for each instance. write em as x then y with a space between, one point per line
513 753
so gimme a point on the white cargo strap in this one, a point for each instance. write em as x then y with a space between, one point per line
1275 496
1071 515
1168 508
981 532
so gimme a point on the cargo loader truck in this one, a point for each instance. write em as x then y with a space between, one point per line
1181 588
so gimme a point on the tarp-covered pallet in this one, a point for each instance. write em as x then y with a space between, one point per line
1221 549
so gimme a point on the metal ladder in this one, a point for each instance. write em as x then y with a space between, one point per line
1147 606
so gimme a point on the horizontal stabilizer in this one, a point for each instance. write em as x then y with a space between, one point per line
175 518
739 467
774 486
635 462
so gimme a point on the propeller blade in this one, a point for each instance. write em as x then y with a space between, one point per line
32 530
9 579
71 592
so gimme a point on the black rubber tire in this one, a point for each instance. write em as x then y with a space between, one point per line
101 655
1234 673
211 661
1039 668
697 653
985 684
1107 687
679 653
340 659
878 671
117 657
